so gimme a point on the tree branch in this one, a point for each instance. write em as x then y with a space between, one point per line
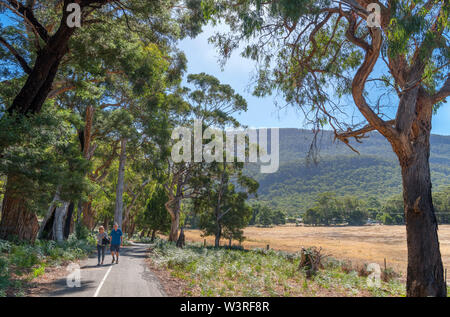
357 134
443 93
23 63
359 82
28 15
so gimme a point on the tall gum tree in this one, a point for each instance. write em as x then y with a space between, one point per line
40 42
214 104
317 52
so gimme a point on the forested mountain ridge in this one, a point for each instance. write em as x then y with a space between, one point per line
373 173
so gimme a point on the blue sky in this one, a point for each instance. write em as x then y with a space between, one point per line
262 112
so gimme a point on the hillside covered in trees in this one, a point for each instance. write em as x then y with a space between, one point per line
375 172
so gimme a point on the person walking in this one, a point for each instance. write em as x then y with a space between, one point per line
116 243
102 239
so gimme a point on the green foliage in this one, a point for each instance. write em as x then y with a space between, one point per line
221 202
155 216
330 209
265 216
30 260
42 149
81 232
392 212
214 102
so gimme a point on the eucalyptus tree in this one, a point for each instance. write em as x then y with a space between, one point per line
154 217
40 49
213 104
221 202
112 100
390 57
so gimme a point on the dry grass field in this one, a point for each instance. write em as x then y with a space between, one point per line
369 244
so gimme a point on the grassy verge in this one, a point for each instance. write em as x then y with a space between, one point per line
21 262
234 272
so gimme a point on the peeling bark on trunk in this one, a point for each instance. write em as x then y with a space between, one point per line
425 274
17 220
58 224
118 212
173 208
425 269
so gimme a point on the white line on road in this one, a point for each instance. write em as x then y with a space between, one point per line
103 281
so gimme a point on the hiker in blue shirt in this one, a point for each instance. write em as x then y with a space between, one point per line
116 242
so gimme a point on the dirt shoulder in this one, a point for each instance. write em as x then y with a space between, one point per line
172 286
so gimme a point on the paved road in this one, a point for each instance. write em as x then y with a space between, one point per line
130 278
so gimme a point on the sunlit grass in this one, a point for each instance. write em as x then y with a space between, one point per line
234 272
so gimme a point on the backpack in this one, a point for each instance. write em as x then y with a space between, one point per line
105 241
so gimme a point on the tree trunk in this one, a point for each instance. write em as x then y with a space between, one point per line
58 223
118 212
88 215
45 230
218 233
153 235
40 80
133 227
68 224
173 208
173 235
17 220
105 223
425 270
181 239
79 211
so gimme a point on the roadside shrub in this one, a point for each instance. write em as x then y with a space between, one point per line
5 246
311 260
389 274
4 266
31 259
24 256
39 270
347 267
362 270
332 263
81 232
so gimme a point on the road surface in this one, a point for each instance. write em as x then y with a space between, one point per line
130 278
